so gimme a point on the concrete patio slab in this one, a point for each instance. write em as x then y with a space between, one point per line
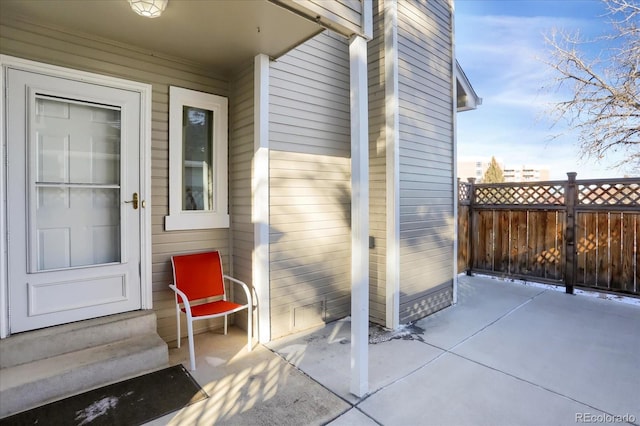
481 301
250 388
506 354
456 391
354 417
325 355
584 348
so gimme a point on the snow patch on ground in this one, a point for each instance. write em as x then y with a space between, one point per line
99 408
378 334
95 410
594 294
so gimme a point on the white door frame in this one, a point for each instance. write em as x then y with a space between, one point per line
145 91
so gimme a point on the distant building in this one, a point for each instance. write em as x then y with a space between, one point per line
526 173
477 166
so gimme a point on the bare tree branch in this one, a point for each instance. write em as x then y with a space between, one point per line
605 103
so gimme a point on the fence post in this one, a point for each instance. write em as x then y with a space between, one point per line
571 265
457 230
470 243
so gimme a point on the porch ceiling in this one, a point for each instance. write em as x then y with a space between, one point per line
220 34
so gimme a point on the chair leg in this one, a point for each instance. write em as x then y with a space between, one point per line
178 323
225 325
249 325
192 352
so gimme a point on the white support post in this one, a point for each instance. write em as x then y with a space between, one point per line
359 217
4 235
392 136
367 19
454 109
260 196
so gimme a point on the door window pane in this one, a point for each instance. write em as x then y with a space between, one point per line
197 170
76 185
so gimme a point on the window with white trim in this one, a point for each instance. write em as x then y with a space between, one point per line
197 160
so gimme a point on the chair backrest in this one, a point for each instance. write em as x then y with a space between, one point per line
198 275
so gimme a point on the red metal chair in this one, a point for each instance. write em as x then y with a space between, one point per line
197 279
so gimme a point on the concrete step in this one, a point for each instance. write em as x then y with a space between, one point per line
52 341
78 357
39 382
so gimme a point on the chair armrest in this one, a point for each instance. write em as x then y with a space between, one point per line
185 300
244 286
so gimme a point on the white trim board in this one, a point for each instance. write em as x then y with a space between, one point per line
392 135
260 191
359 217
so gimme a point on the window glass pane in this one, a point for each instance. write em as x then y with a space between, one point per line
77 143
198 126
77 227
77 185
197 167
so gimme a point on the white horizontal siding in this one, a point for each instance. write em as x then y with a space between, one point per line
309 181
241 149
309 102
345 13
309 250
426 156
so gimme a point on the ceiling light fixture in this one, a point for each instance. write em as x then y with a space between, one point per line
148 8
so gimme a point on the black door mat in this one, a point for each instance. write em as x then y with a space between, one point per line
130 402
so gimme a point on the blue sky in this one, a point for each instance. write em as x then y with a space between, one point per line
500 44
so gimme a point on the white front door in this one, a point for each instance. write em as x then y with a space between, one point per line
73 213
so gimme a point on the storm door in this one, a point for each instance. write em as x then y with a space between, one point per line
73 210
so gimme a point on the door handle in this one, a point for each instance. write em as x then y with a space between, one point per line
134 201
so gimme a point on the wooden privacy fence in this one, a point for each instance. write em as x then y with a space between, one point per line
577 233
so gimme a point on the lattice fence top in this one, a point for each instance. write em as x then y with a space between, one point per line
464 191
520 194
612 194
621 193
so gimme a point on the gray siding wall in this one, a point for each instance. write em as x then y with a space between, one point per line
346 13
426 157
89 54
377 169
241 150
310 190
309 98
